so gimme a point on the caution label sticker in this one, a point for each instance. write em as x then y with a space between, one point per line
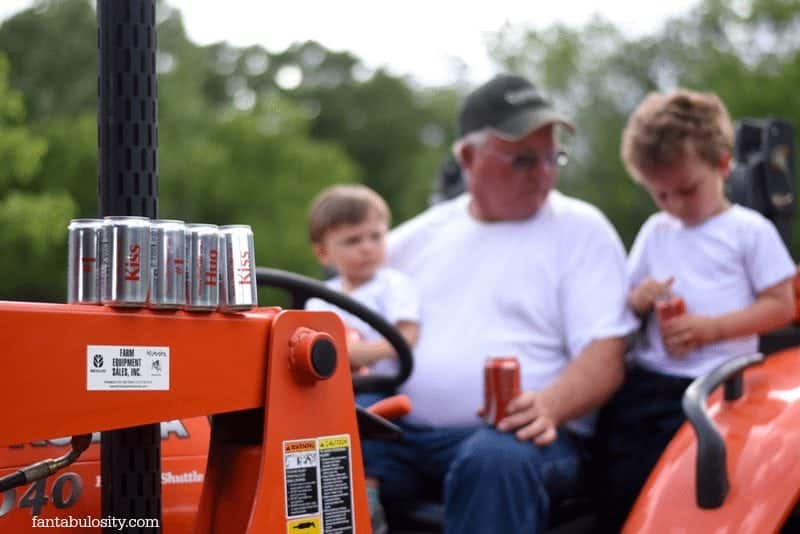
300 471
337 484
306 525
112 367
319 479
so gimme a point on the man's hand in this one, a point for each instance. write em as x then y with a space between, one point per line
689 332
642 298
529 416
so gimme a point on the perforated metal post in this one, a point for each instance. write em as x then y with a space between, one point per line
127 128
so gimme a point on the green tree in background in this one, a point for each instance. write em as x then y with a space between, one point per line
396 133
32 220
747 52
239 141
249 136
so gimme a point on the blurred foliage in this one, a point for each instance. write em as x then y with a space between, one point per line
249 136
244 136
747 51
32 219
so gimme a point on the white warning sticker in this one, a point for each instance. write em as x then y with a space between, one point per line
125 367
318 477
300 472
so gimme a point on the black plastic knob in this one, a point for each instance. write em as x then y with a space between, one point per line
323 357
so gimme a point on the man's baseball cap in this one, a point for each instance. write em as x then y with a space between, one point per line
510 105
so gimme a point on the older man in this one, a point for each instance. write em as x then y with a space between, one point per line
512 267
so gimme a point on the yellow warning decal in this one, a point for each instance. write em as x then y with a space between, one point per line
305 525
334 442
299 446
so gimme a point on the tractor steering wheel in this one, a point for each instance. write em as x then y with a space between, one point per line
302 288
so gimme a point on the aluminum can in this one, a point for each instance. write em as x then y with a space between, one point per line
238 289
167 264
125 261
666 309
202 274
669 308
501 384
83 271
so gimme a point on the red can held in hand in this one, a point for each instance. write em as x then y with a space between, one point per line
501 384
670 308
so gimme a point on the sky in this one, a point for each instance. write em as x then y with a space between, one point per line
425 40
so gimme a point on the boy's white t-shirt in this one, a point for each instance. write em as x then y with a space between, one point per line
719 266
539 289
389 293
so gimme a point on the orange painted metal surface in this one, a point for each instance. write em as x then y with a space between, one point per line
393 407
218 364
75 491
300 410
762 437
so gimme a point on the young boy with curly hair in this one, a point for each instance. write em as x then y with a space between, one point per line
726 262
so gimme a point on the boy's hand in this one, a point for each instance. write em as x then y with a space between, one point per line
643 296
353 337
689 332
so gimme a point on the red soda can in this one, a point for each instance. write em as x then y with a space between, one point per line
501 384
669 308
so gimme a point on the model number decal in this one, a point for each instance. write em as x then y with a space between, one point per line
67 489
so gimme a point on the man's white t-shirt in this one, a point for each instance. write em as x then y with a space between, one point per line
389 293
539 289
719 266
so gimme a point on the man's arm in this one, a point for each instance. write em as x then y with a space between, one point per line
586 383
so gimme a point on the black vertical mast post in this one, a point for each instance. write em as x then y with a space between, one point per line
127 128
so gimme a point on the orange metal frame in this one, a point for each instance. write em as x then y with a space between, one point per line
762 439
218 363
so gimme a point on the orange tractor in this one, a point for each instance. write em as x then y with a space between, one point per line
256 430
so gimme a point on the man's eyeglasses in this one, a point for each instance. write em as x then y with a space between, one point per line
527 160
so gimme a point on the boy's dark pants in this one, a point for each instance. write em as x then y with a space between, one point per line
633 430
